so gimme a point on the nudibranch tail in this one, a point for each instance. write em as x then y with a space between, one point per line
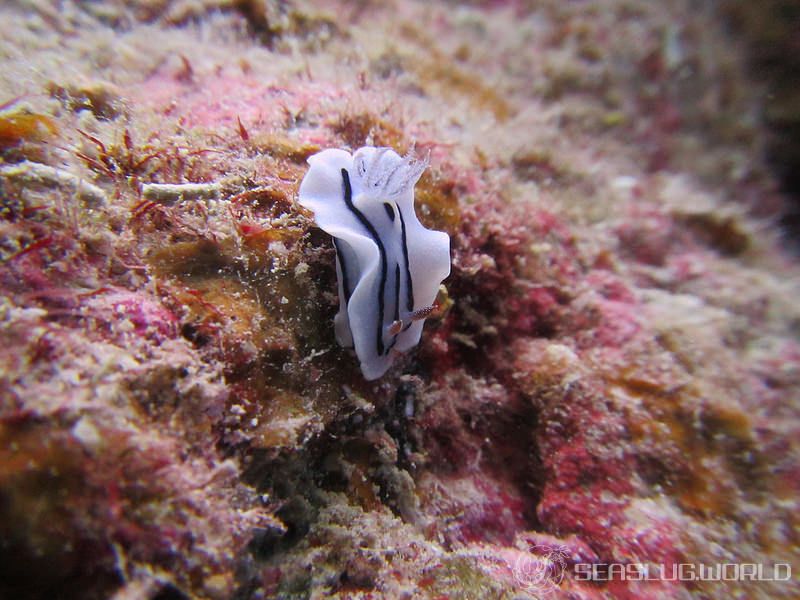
389 266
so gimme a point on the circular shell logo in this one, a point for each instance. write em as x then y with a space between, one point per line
542 569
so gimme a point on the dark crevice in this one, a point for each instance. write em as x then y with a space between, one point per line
770 32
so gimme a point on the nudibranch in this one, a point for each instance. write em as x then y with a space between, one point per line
388 265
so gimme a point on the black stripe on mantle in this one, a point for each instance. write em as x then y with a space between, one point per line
348 200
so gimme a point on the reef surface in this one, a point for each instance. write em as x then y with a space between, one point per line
613 378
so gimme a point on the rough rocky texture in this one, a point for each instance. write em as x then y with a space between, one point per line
615 375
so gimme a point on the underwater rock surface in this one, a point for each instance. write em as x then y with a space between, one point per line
613 377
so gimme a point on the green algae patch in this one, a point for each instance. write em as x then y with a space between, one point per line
283 147
458 578
358 128
43 496
437 202
20 126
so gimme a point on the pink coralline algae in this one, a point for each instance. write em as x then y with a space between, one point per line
607 393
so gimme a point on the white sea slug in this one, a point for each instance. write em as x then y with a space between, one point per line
389 266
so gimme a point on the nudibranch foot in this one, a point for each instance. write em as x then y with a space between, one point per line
418 315
395 328
423 313
389 267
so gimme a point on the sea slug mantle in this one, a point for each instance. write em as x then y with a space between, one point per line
388 265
